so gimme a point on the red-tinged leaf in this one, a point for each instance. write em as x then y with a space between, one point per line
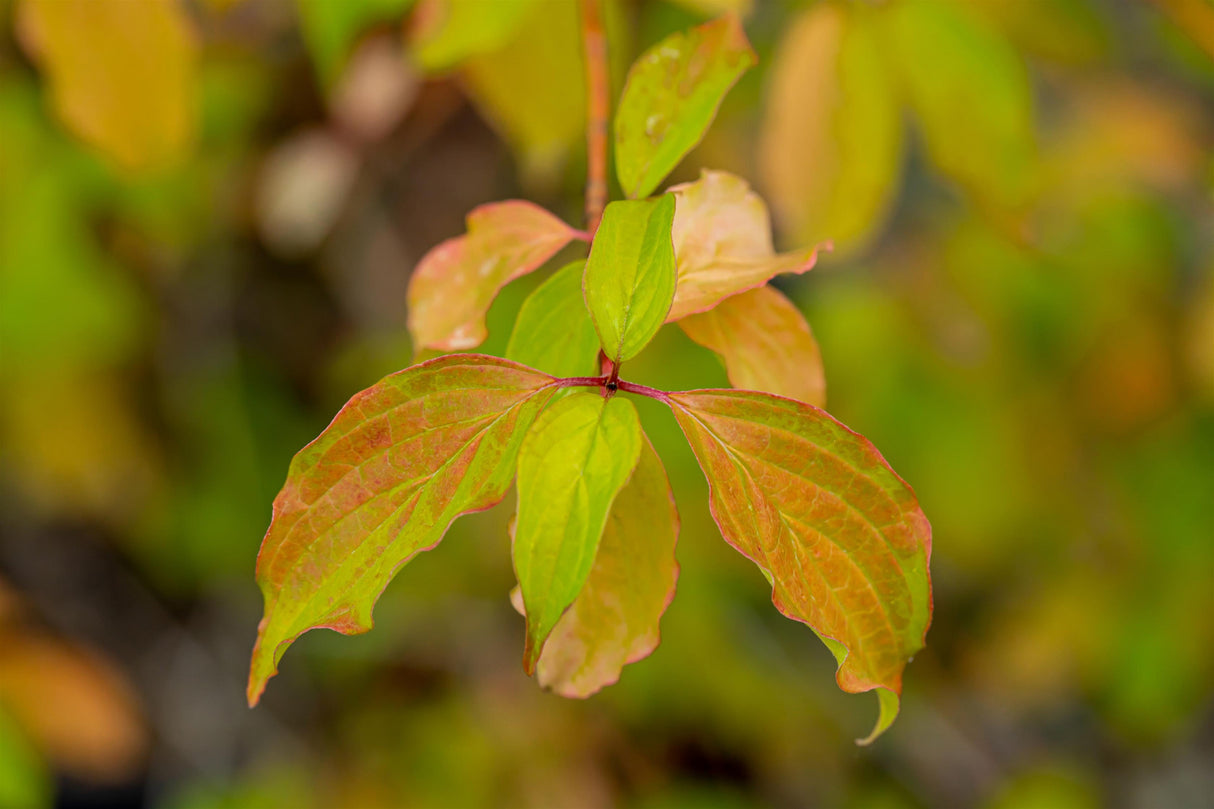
838 534
765 343
399 462
614 620
456 282
722 243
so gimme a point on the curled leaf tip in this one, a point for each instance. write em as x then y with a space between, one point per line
888 704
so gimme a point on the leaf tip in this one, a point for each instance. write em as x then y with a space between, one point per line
888 705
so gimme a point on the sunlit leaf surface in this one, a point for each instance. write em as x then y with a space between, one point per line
553 331
455 283
630 275
765 343
399 462
670 98
121 73
722 243
831 143
574 462
839 535
614 620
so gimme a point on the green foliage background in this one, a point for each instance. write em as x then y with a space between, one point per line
1025 327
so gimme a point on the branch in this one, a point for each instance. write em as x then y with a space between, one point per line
594 46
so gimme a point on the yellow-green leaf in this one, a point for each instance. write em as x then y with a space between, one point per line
553 331
121 73
970 92
630 276
838 534
614 620
722 243
831 143
671 96
400 461
455 283
448 31
765 343
572 464
532 90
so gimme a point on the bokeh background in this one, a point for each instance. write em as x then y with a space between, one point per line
209 210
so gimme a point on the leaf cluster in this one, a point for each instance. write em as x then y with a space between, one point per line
837 533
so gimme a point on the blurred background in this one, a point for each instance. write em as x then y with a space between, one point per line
209 210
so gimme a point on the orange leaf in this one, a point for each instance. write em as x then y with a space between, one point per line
765 343
614 620
838 534
722 243
456 282
396 466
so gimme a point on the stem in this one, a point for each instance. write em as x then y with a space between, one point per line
594 46
610 379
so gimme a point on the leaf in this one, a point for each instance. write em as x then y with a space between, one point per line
838 534
831 145
765 343
970 91
398 463
121 74
544 55
671 96
553 331
614 620
450 31
574 461
330 29
24 780
455 283
722 243
630 275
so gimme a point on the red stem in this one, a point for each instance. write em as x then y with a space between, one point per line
608 379
594 46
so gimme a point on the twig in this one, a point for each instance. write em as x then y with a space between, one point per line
594 46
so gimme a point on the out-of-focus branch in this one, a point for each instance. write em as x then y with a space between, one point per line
594 46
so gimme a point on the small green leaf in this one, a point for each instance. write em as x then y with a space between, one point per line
455 283
572 464
553 331
614 620
399 462
671 96
834 529
630 276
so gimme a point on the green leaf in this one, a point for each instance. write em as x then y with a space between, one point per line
671 96
450 31
614 620
970 91
765 343
455 283
573 463
553 331
399 462
630 276
831 148
23 777
838 534
722 243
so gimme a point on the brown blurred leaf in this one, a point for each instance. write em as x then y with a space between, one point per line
74 706
121 73
831 142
